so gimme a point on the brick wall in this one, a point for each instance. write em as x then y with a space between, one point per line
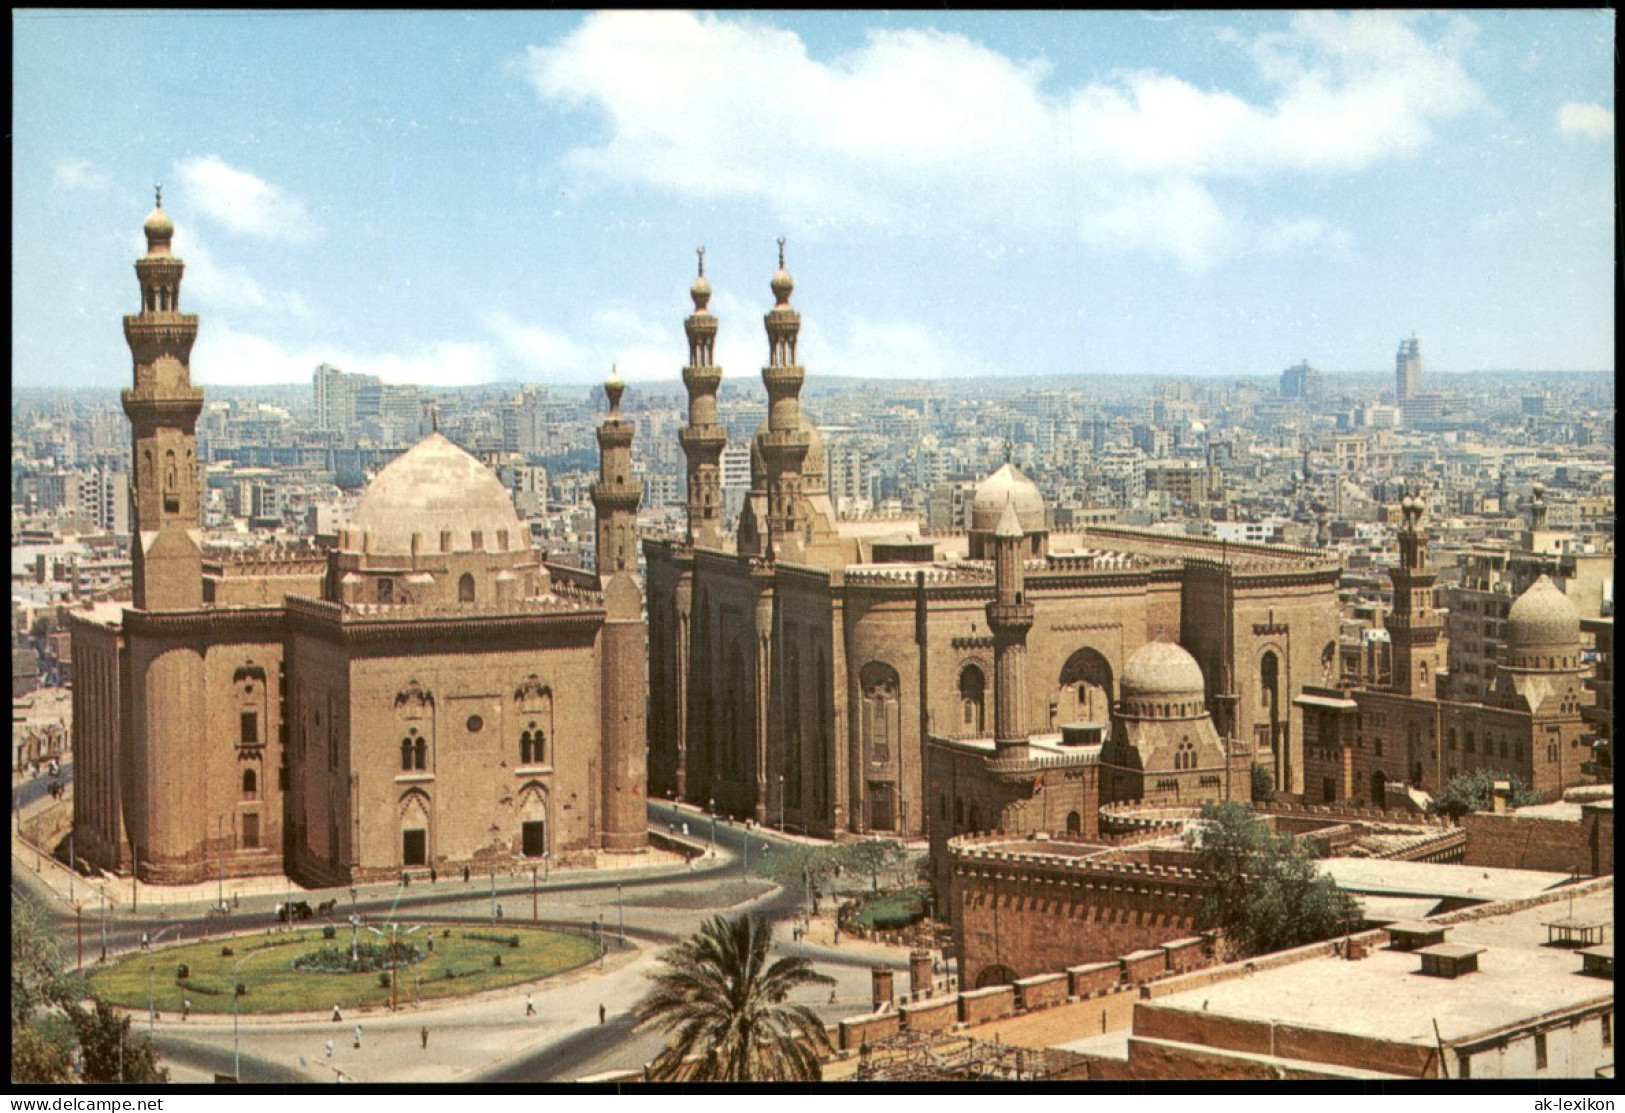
1185 954
1512 841
1142 966
978 1005
931 1016
858 1030
1041 991
1094 977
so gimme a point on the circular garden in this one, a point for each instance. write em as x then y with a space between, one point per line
310 970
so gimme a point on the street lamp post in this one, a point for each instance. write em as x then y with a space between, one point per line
781 803
152 964
220 842
236 994
712 808
104 929
533 894
493 894
620 910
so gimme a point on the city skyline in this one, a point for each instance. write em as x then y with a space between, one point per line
1207 193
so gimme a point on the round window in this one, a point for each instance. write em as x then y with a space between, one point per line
474 724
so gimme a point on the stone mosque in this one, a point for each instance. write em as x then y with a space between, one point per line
430 693
866 676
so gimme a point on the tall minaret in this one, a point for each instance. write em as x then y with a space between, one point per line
1414 626
624 690
703 438
1009 616
785 445
163 405
616 495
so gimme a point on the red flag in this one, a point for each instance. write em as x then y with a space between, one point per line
1038 785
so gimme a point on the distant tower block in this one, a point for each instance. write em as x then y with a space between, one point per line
1408 369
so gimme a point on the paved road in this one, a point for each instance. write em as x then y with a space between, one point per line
29 791
565 1040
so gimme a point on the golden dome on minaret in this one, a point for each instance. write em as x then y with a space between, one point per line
701 290
782 284
159 228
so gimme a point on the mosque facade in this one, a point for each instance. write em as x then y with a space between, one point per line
429 693
801 663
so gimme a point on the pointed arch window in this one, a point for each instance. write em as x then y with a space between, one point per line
465 588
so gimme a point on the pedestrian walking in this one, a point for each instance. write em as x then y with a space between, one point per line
530 1006
186 1007
433 877
337 1016
358 1037
601 1014
499 911
465 875
329 1049
425 1035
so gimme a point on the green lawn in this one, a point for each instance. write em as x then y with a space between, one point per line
460 964
891 909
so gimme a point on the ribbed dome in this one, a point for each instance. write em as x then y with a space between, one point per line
1162 669
1007 485
1542 616
436 486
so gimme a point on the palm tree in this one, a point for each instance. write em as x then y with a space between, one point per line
724 1008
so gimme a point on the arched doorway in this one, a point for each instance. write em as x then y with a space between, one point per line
415 811
1085 694
1379 790
533 820
972 687
996 974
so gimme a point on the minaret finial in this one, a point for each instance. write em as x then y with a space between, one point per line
158 192
781 253
1009 447
702 260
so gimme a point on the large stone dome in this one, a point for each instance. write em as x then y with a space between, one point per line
436 487
1545 621
1007 485
1161 680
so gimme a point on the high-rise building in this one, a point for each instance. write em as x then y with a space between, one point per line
1408 369
1300 381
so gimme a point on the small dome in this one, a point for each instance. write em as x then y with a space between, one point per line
1542 616
701 290
1163 670
782 284
433 487
159 228
1007 485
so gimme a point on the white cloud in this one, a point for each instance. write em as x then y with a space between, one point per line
228 356
1590 120
1286 237
80 173
243 202
537 353
922 130
210 284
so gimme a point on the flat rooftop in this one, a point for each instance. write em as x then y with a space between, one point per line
1385 997
1433 879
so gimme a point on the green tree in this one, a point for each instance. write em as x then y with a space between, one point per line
1263 889
1263 785
112 1052
1475 792
723 1007
801 866
39 985
871 856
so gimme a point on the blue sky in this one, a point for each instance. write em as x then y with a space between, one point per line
451 198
